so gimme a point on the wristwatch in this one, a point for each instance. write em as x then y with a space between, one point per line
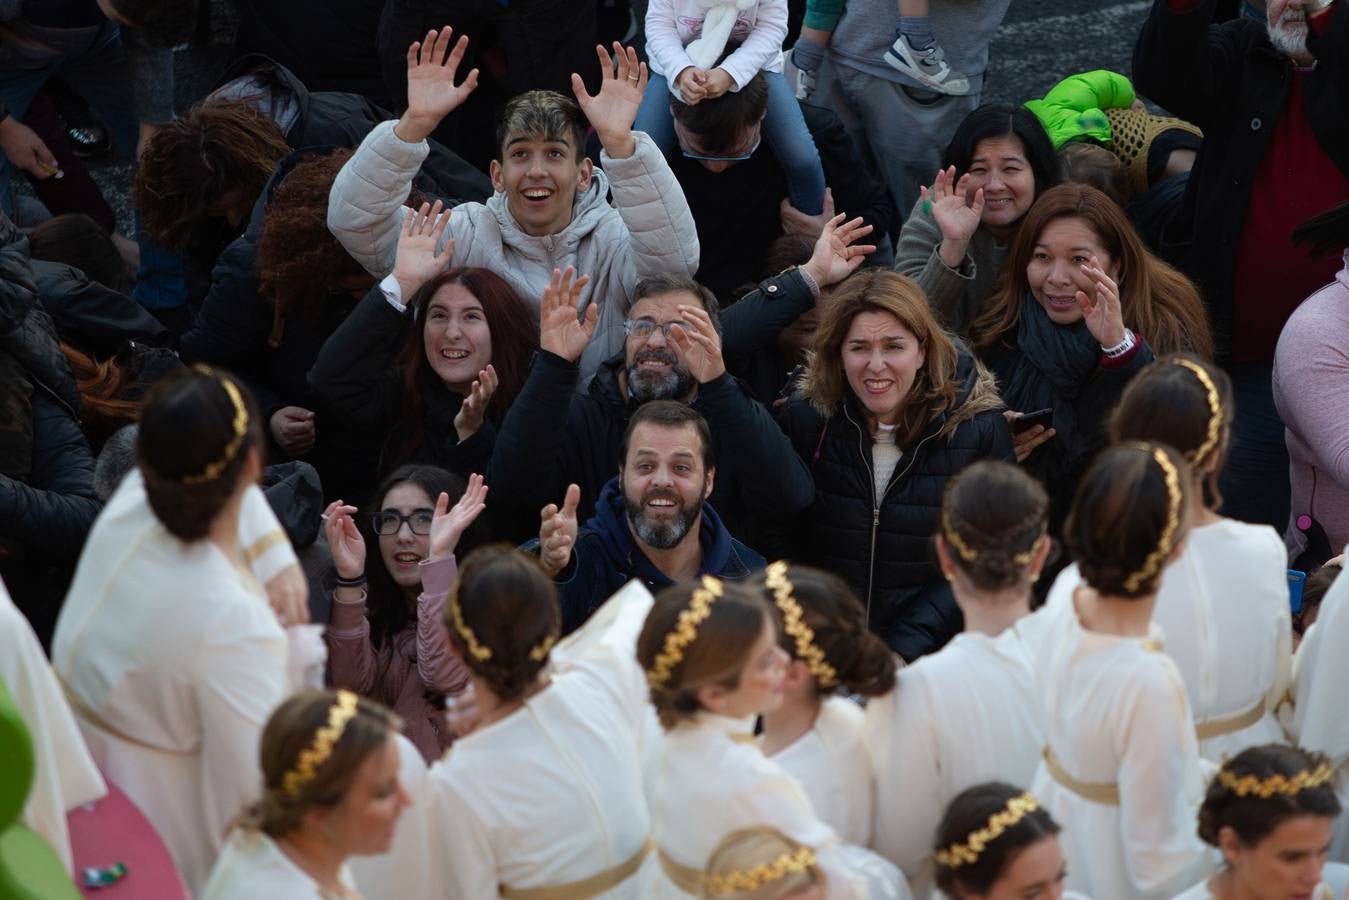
1312 7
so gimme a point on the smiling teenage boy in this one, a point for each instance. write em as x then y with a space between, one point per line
550 209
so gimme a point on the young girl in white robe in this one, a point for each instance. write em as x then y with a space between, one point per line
544 796
1270 812
1121 768
330 790
816 733
1223 604
713 662
169 653
968 713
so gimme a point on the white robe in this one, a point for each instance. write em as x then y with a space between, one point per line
1223 608
1115 712
831 763
549 795
713 779
1321 713
251 866
173 661
65 776
967 714
1334 885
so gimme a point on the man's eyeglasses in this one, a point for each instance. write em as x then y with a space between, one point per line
739 157
389 521
643 328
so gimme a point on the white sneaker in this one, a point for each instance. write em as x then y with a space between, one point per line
927 67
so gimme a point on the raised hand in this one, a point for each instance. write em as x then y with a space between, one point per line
417 260
473 409
796 222
449 523
432 93
344 540
1100 304
700 344
561 332
956 212
557 531
612 111
836 256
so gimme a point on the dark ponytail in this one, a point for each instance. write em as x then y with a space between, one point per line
994 517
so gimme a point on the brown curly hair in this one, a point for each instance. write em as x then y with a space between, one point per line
191 163
299 262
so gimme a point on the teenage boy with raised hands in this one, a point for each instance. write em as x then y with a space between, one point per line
550 209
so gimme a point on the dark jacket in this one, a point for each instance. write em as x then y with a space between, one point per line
606 557
738 213
1231 82
330 45
750 329
553 436
357 375
45 516
884 551
94 318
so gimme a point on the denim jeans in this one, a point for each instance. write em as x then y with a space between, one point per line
91 60
1254 482
784 128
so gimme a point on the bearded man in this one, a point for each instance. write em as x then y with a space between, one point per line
1271 100
651 522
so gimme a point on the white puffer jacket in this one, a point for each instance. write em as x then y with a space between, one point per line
648 231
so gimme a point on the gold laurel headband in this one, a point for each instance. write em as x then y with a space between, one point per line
240 423
794 624
957 855
1153 563
316 754
1215 411
685 631
476 648
1264 788
969 554
786 864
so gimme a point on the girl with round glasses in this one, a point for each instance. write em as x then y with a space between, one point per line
385 639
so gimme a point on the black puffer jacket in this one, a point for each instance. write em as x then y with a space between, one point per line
45 516
884 551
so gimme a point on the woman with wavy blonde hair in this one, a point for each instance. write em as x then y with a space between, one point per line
892 408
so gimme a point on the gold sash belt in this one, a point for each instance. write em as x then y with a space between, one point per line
1104 794
586 887
687 879
1219 727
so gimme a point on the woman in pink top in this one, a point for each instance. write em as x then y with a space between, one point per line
1311 386
386 639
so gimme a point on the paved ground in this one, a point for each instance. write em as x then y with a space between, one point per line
1041 42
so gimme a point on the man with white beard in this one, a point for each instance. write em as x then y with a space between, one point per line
651 522
1271 99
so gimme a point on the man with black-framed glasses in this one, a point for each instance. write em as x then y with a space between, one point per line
555 435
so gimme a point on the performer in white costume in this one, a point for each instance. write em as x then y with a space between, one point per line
1121 768
1223 605
1271 811
330 790
968 713
711 654
1321 714
996 842
544 797
169 653
816 733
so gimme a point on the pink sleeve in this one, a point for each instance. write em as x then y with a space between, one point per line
439 666
763 45
351 657
664 49
1312 359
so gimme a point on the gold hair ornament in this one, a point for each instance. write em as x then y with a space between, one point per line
794 624
313 757
752 879
1215 412
1264 788
240 424
481 652
969 554
1166 543
957 855
678 639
